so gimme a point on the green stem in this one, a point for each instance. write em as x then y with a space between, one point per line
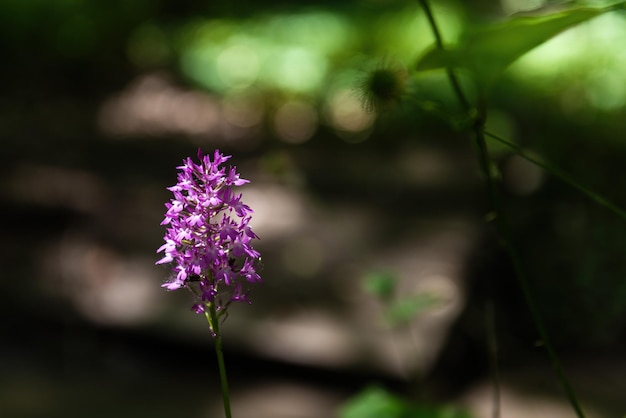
560 174
214 324
518 267
454 81
478 130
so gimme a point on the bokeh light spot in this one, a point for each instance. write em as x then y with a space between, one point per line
237 66
346 112
295 122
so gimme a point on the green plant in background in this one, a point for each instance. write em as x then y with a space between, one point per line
397 310
375 402
481 56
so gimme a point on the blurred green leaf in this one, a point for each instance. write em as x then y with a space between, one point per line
397 311
380 284
375 402
488 51
406 309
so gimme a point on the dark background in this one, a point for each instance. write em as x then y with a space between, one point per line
100 101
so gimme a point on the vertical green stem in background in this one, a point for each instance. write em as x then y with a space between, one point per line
214 324
502 223
520 271
439 41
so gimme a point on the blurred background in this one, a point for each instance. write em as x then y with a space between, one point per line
102 100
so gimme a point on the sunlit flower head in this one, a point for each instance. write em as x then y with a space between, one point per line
208 240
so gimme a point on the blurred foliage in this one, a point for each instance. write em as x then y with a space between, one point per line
381 285
409 307
290 52
375 402
397 310
312 53
488 50
309 52
587 78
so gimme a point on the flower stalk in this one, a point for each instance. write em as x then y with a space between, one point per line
213 320
208 242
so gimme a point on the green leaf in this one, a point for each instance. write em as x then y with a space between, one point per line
375 402
488 51
408 308
381 284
